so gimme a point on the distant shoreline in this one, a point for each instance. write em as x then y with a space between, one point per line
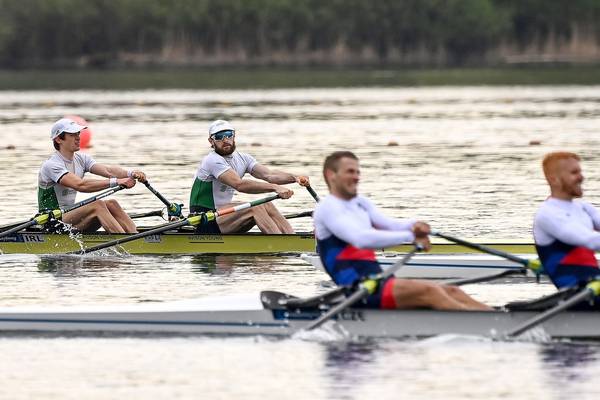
279 78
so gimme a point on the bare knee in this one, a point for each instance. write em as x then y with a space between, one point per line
260 210
452 290
113 205
99 206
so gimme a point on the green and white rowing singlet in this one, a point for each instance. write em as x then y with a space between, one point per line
208 193
51 194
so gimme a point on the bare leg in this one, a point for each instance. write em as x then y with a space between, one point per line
91 217
244 220
121 216
423 294
241 221
457 293
282 223
265 223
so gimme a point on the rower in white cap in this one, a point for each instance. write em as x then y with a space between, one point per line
221 173
62 176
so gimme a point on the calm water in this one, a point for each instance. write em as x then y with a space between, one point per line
461 158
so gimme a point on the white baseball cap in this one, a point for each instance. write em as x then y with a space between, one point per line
65 125
218 126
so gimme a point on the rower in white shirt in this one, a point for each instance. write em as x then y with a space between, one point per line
565 228
348 227
62 176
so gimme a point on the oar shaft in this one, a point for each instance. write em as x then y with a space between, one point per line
194 220
157 194
483 249
586 294
299 215
243 206
352 299
58 213
18 228
87 201
174 210
399 264
469 281
155 213
363 290
313 193
133 237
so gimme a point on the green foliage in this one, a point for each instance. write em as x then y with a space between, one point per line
97 32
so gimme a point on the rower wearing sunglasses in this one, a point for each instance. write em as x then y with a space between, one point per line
221 173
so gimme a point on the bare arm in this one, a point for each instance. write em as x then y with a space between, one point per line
116 171
273 176
72 181
230 178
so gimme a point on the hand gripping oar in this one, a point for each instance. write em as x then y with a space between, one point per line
364 289
314 195
174 210
44 217
194 220
534 265
590 291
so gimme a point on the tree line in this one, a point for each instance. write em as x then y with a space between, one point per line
106 33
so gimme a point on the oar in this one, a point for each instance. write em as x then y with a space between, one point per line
58 213
310 189
590 291
486 278
365 288
194 220
299 215
534 265
155 213
174 210
313 193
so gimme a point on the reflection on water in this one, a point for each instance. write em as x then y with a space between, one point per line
465 159
568 363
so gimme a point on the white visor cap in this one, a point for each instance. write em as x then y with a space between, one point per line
65 125
218 126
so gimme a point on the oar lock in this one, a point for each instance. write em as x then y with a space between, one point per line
201 218
48 215
174 210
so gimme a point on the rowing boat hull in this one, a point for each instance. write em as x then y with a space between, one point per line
173 318
189 243
451 266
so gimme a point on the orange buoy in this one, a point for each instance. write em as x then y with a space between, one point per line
85 136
